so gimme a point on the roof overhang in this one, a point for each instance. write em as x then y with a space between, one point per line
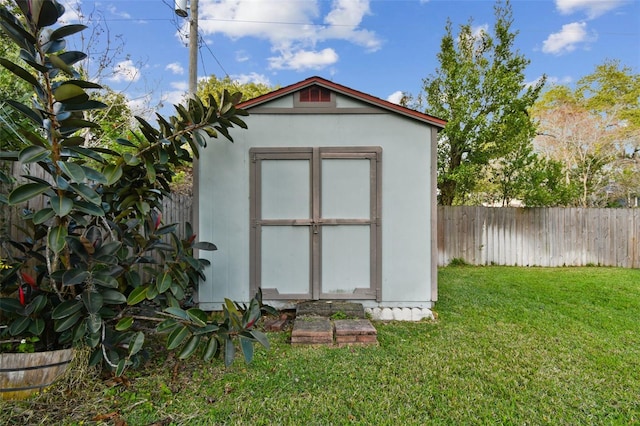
346 91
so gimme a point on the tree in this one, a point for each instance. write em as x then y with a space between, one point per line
479 89
214 86
97 248
594 130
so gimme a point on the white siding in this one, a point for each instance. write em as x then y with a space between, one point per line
406 197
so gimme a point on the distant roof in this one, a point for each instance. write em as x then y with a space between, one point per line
319 81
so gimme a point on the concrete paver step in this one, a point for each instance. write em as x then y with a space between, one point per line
314 330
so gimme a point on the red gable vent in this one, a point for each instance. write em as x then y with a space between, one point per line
315 94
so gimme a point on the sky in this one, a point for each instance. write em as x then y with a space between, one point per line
380 47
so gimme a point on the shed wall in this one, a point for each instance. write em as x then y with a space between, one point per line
406 198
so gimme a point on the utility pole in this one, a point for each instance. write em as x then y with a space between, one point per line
181 10
193 48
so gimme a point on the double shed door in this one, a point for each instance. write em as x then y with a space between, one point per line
315 222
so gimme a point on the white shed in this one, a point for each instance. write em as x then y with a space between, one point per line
329 195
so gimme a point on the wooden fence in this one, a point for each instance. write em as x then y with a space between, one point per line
175 210
490 235
539 236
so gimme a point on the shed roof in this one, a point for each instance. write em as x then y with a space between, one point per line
346 91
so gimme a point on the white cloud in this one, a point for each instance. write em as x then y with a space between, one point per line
140 106
72 12
593 8
567 39
242 56
175 68
177 95
125 71
395 97
303 59
344 20
251 78
551 80
114 11
292 27
479 30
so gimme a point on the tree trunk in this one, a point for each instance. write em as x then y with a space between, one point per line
447 192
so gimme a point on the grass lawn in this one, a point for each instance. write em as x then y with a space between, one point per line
510 346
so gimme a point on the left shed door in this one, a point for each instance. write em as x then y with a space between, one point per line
282 223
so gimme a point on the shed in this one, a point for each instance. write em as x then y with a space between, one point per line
329 195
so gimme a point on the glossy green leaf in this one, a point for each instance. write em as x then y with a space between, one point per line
124 324
92 301
136 343
133 278
74 276
167 325
122 365
57 237
20 72
190 347
43 215
10 304
260 337
19 325
72 170
66 309
96 357
70 93
176 337
88 208
57 62
62 206
125 142
175 311
36 305
33 153
164 282
131 159
37 326
137 295
203 245
86 193
26 111
105 280
229 352
211 349
207 329
87 152
247 349
73 141
151 170
93 174
26 192
15 30
113 297
94 322
67 322
80 83
198 316
67 30
80 331
44 13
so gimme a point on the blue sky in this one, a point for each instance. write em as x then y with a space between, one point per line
380 47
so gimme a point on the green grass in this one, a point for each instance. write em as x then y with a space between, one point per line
510 346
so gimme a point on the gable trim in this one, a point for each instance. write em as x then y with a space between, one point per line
346 91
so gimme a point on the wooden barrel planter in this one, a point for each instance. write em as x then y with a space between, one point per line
23 374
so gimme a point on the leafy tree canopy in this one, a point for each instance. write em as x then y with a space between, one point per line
214 86
479 88
593 129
